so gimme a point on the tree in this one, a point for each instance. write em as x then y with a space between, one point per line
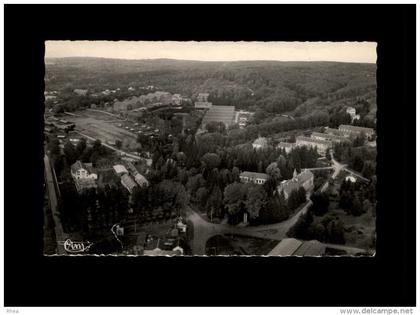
210 160
256 199
234 198
201 195
320 203
54 147
70 152
369 169
273 171
81 147
216 126
215 203
335 230
300 229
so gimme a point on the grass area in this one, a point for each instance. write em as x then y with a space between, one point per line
103 127
238 245
358 230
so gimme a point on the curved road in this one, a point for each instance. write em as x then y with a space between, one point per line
203 230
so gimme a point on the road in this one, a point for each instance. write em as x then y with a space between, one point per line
121 152
203 230
60 236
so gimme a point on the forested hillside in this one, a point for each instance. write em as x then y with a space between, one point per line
298 88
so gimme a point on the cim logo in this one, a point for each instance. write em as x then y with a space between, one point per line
76 247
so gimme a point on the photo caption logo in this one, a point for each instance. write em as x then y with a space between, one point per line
76 247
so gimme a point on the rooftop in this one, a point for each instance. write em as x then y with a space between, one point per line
261 141
286 247
78 165
296 182
285 145
220 113
120 169
127 181
355 128
254 175
316 141
294 247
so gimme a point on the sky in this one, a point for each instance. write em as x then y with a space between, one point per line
362 52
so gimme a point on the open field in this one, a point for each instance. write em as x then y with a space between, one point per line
103 127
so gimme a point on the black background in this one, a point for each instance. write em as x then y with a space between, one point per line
33 280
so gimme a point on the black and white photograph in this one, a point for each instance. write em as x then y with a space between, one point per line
210 148
183 157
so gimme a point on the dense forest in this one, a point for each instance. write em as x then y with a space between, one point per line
298 88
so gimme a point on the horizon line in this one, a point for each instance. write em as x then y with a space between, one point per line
197 60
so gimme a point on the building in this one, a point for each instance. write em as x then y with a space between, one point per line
84 175
335 132
356 130
203 105
128 182
260 143
305 179
85 183
120 169
220 113
177 99
329 137
202 97
286 146
294 247
202 101
160 252
80 92
253 177
352 112
321 146
141 180
64 126
81 170
350 178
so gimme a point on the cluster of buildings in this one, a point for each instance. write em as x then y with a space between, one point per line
304 179
158 97
85 176
322 142
130 178
53 123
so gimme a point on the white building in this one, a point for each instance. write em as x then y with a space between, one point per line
253 177
305 179
84 176
120 169
81 170
286 146
128 182
321 146
352 112
351 130
260 143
